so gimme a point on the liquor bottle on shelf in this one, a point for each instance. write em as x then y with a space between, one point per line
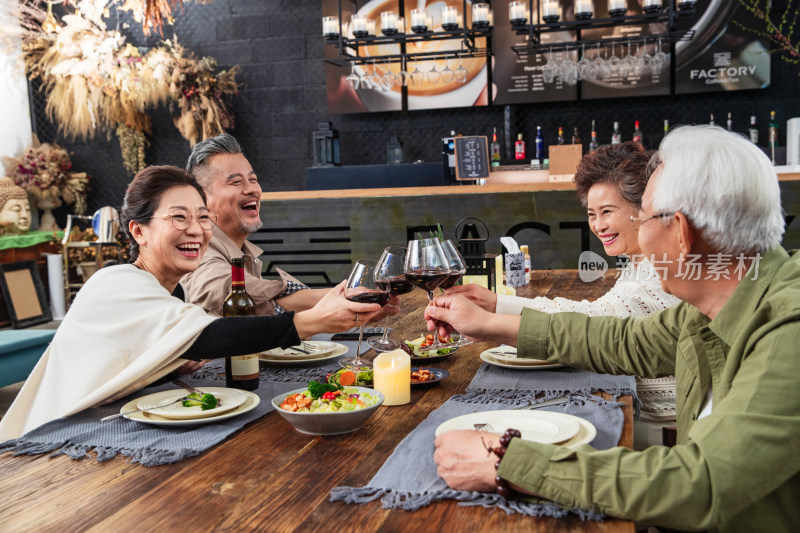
616 136
666 128
593 146
241 371
711 122
730 122
560 139
638 137
576 139
539 143
524 249
519 148
773 134
753 130
495 146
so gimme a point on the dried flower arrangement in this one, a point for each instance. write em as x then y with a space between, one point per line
94 81
45 172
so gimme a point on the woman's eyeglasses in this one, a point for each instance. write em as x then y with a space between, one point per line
638 221
182 219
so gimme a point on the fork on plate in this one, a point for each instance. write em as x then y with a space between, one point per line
483 427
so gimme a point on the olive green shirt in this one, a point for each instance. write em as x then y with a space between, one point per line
736 469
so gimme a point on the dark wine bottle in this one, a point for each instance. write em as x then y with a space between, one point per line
241 371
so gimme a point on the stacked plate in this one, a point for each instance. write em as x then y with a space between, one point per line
538 426
232 402
309 352
506 357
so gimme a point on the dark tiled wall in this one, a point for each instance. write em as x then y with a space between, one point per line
280 49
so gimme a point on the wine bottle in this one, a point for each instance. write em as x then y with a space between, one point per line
495 146
637 133
519 148
593 146
773 134
560 139
539 143
711 122
753 130
576 139
241 371
730 122
616 137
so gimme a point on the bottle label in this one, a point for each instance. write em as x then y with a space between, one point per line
244 367
754 136
637 137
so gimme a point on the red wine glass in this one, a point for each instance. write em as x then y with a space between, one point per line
426 265
457 268
361 287
390 273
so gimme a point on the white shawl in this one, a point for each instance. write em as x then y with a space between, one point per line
122 332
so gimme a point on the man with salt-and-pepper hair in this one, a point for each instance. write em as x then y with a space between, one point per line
711 218
234 194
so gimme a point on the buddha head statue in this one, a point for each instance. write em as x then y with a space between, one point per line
14 207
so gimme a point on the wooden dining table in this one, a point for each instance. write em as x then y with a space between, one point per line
270 477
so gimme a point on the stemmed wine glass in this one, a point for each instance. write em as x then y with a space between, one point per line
417 77
447 74
362 288
353 78
426 265
390 272
660 60
403 74
460 73
458 267
433 74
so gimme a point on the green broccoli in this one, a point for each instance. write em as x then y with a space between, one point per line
206 401
317 389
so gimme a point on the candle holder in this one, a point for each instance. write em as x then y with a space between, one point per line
652 6
584 9
330 27
687 5
518 13
617 8
358 25
480 16
449 18
389 23
419 22
550 12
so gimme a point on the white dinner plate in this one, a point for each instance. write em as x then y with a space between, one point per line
538 426
228 399
275 360
508 354
250 403
488 358
316 350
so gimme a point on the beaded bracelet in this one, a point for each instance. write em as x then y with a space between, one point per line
503 488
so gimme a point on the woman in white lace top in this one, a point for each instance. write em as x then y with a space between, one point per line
610 183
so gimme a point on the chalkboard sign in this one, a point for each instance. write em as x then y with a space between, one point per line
472 158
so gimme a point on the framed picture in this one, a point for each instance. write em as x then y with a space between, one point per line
24 294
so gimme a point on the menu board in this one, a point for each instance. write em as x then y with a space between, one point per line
723 56
472 157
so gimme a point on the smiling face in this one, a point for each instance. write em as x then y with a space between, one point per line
610 219
164 251
235 195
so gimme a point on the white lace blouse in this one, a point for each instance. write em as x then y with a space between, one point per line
637 292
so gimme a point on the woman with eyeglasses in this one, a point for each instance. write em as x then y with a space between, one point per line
129 325
610 183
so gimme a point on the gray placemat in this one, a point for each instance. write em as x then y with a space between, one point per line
82 433
408 479
521 386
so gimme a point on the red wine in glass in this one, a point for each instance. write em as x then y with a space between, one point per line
379 298
400 285
362 287
427 280
451 280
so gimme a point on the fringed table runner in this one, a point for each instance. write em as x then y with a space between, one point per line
82 433
408 479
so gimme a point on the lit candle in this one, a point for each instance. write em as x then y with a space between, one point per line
429 21
358 24
518 12
449 18
392 377
330 27
617 8
584 9
389 22
550 8
480 15
370 27
400 24
418 21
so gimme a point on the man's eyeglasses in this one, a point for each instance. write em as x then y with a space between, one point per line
638 221
182 219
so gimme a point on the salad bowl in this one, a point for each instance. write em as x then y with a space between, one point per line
329 422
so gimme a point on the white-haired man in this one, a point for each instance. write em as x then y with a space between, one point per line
711 218
234 194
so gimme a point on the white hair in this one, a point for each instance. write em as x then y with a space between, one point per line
724 184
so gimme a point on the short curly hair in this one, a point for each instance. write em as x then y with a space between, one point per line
622 165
